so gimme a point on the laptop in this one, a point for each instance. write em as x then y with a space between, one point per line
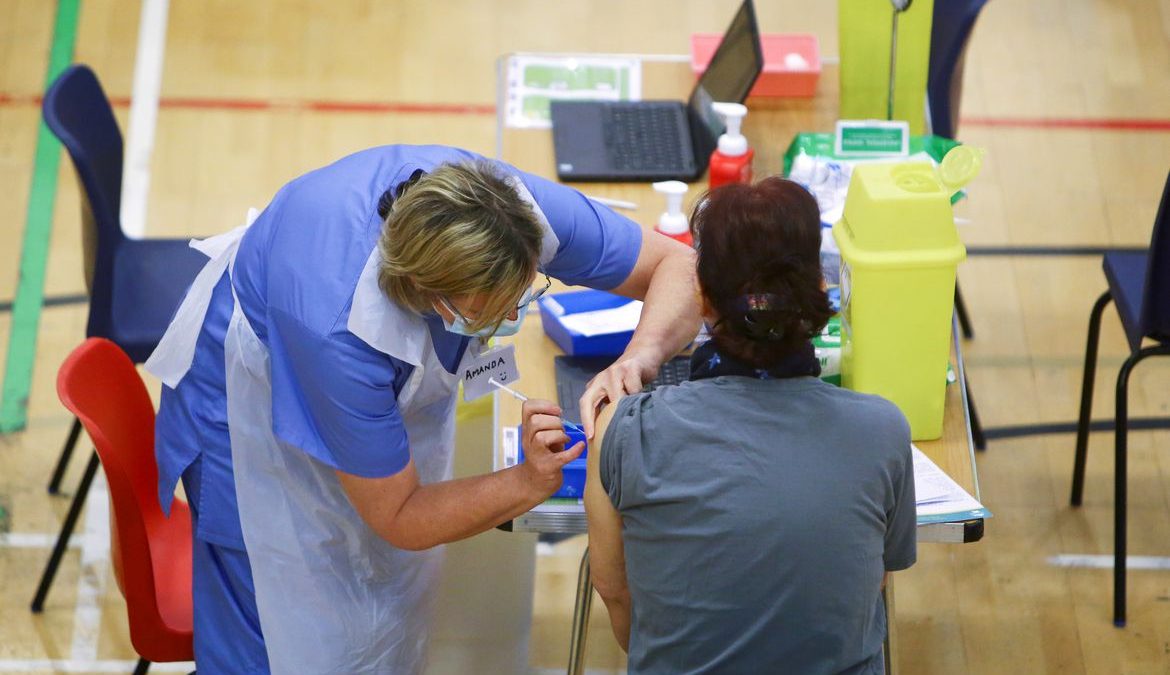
574 372
658 140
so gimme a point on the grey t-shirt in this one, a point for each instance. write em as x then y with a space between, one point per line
758 519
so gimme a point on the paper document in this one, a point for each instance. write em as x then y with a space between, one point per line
938 497
605 321
534 81
828 178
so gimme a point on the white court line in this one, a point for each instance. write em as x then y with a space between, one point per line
1133 562
560 671
31 540
91 577
95 666
148 66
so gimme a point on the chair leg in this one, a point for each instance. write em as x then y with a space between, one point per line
581 608
961 310
1119 493
976 428
1120 480
142 667
63 460
38 602
1090 372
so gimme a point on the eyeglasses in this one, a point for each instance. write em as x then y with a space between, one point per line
530 296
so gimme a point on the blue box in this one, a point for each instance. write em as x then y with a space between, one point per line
556 305
573 486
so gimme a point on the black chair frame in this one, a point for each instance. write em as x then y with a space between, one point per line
1120 458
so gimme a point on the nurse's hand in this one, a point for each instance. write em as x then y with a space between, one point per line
544 438
624 377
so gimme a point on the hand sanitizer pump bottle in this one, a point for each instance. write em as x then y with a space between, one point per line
731 162
672 222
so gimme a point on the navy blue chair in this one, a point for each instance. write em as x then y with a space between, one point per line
952 23
950 30
951 26
1139 284
134 285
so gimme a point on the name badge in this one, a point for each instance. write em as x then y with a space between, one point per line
498 364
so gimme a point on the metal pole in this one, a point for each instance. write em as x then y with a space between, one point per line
581 618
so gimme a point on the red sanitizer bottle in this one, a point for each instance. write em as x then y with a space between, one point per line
731 162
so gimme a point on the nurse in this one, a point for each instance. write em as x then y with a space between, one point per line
309 397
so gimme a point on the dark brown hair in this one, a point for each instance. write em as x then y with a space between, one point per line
759 268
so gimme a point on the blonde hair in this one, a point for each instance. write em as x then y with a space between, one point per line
459 230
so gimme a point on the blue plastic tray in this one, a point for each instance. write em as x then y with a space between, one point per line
573 486
557 305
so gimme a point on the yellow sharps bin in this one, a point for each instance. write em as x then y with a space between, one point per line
899 251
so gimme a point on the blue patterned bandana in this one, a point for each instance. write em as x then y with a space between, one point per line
706 361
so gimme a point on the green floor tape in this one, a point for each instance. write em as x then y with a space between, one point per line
30 288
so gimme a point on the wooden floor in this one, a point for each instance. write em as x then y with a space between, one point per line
994 607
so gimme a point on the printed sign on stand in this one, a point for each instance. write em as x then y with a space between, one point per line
872 138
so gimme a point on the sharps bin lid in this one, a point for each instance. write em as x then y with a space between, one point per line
901 212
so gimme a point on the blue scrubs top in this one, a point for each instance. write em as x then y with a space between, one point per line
334 396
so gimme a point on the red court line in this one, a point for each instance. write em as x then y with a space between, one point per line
409 108
1110 124
195 103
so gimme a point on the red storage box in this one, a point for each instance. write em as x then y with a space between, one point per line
792 62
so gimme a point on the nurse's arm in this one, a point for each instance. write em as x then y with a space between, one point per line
607 561
664 277
415 517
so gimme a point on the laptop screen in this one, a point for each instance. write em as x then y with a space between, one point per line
729 76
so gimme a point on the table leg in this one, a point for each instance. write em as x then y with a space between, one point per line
891 646
581 618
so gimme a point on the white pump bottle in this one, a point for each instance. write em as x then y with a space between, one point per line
672 222
731 162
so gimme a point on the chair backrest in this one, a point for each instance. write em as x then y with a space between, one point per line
78 113
151 553
951 26
1155 319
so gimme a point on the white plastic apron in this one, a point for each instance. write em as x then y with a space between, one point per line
333 597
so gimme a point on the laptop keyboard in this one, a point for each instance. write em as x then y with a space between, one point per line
640 137
674 371
573 375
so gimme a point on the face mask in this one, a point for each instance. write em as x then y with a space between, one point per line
508 327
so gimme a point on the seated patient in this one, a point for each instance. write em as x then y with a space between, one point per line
743 521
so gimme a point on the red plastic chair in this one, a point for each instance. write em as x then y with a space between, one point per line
151 553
